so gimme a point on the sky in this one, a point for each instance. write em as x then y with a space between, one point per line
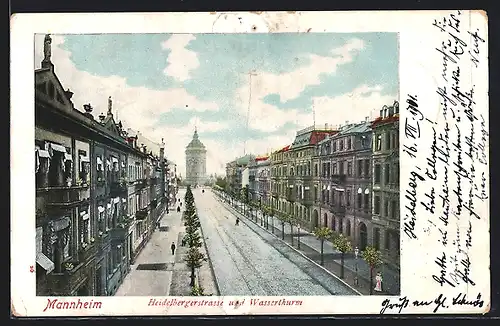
245 93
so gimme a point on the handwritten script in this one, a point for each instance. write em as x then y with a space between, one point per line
445 196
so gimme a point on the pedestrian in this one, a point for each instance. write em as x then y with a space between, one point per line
172 247
178 209
181 204
237 221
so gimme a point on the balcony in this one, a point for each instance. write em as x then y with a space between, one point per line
306 201
338 178
118 189
307 177
66 282
291 196
66 196
87 253
338 210
140 183
141 214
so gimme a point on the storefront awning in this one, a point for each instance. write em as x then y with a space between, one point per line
84 159
339 189
68 157
109 205
123 164
85 216
99 160
100 209
116 200
44 262
58 148
114 160
124 200
43 153
367 192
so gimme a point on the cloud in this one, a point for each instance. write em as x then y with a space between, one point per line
180 61
355 106
264 116
137 107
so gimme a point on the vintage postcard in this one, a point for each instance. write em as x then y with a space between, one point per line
254 163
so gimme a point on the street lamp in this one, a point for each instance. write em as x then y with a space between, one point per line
356 255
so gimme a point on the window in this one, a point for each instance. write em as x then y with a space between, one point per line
360 168
386 208
378 143
394 210
348 142
367 200
328 167
387 174
84 224
101 221
360 200
348 198
376 205
341 145
341 167
349 168
334 146
363 142
367 168
388 137
109 213
334 168
387 240
100 168
395 173
377 173
348 228
376 238
110 264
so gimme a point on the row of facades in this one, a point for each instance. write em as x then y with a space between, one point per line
344 178
99 193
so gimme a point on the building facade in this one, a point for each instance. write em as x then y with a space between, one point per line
345 183
386 215
196 161
82 187
300 183
236 175
263 180
279 182
172 183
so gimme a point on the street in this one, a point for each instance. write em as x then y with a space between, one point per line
247 262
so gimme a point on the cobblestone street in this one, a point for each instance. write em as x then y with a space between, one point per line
247 262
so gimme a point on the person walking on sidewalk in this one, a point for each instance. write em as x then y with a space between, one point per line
172 247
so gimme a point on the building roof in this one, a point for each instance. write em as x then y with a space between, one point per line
357 128
261 158
195 142
245 160
311 138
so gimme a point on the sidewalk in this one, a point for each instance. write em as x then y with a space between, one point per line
155 262
311 247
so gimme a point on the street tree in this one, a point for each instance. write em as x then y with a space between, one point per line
194 259
342 244
373 258
290 219
322 234
270 212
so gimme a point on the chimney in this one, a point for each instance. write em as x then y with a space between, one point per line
326 126
101 117
366 119
110 106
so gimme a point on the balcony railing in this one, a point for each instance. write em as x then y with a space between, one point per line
118 189
140 183
87 253
306 201
141 214
338 178
64 283
66 196
338 210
